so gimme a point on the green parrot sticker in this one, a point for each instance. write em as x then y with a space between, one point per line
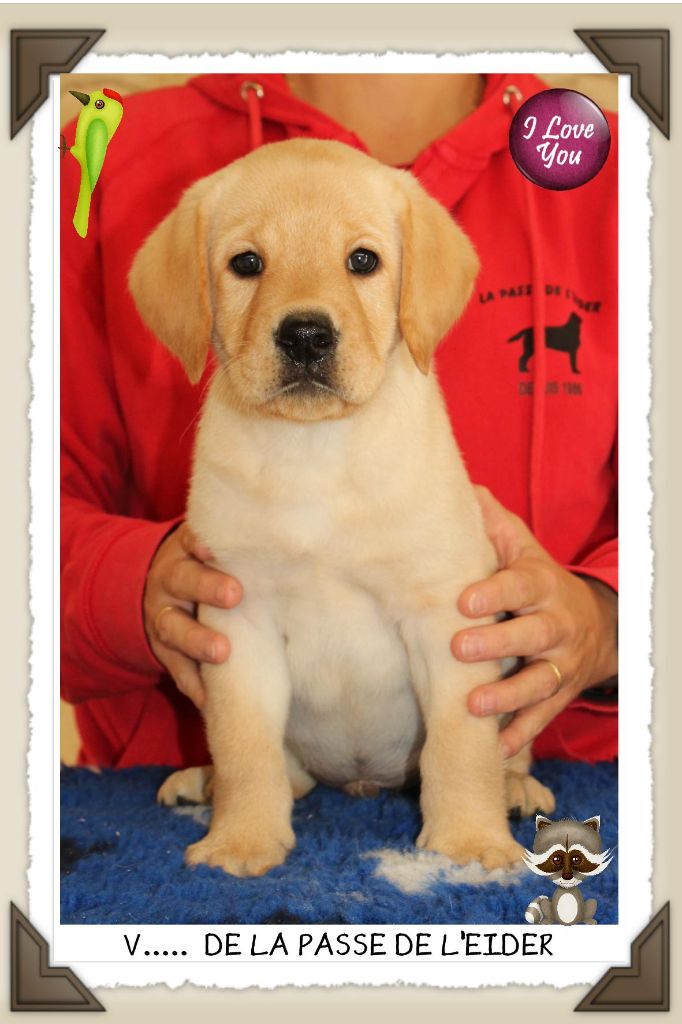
95 129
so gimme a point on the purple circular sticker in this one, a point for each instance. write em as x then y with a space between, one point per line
559 139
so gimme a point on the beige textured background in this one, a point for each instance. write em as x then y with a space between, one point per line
603 89
456 28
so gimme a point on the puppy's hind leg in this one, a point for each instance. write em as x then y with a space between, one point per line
301 781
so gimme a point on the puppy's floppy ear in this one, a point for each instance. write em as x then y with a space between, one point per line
438 272
169 283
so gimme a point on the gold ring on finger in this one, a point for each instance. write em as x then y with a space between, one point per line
166 608
555 670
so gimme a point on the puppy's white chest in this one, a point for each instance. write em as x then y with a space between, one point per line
353 714
353 711
304 527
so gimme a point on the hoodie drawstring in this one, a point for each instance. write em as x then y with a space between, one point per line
252 93
539 360
512 99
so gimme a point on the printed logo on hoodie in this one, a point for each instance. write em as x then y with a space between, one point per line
564 338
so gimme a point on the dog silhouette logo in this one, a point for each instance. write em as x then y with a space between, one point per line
565 338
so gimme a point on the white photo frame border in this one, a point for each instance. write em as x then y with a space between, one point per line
96 952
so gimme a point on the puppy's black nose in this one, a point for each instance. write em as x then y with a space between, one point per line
305 340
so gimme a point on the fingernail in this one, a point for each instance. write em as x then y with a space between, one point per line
505 750
477 603
221 649
471 646
486 704
210 652
230 594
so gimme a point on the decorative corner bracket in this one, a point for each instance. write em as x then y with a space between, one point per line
35 985
34 55
645 984
644 54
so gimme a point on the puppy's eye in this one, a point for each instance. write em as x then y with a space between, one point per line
363 261
247 264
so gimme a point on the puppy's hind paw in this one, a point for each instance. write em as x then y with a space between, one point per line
525 796
189 786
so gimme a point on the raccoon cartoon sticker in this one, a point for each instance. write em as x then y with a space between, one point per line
566 852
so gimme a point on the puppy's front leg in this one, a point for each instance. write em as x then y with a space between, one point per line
463 786
247 702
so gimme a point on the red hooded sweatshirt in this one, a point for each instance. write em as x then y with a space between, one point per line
539 430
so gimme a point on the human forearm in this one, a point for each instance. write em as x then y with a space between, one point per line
105 559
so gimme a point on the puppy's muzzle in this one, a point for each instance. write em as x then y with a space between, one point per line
306 341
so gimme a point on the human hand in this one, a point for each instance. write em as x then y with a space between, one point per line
176 582
560 620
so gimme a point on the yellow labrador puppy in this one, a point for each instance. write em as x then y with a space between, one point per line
326 479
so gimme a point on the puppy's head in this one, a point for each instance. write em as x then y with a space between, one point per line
304 265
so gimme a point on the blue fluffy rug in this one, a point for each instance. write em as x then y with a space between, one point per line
354 862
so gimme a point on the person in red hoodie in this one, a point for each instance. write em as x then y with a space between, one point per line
536 425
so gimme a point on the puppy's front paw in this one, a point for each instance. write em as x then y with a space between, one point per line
528 795
493 851
242 855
